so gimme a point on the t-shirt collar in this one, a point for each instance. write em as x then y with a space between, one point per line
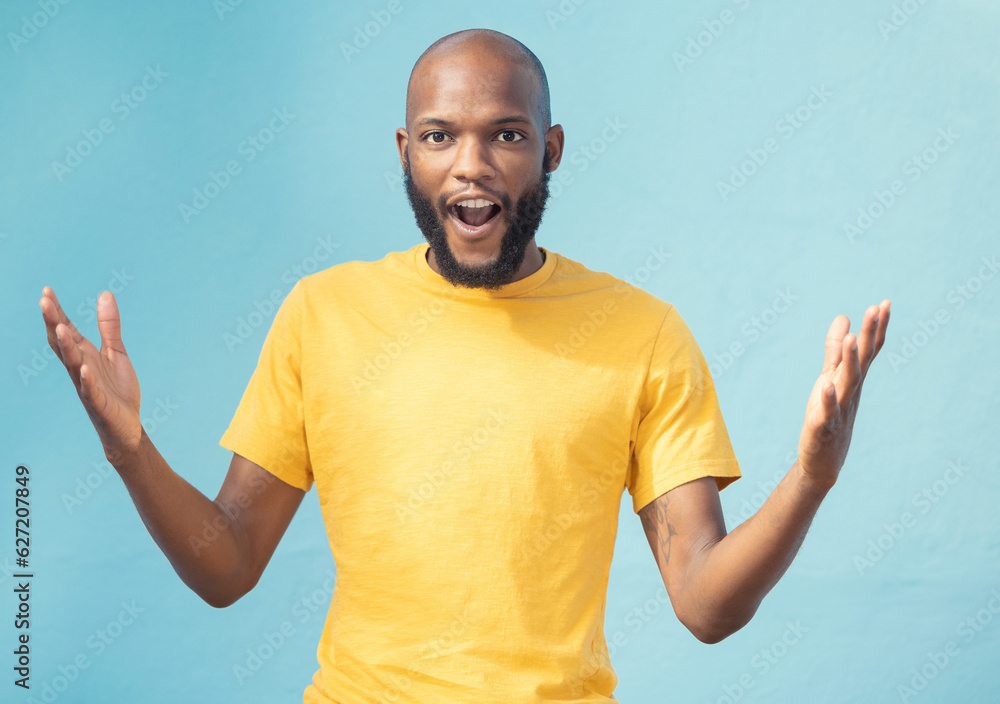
515 288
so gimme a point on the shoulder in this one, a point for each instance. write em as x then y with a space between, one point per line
573 275
350 278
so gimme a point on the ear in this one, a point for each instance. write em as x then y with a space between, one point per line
554 140
402 140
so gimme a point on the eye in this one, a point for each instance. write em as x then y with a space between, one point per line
511 132
429 137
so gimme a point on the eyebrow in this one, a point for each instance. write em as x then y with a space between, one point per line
499 121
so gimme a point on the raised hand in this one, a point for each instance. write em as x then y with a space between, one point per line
833 403
104 379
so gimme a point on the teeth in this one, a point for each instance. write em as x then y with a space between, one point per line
477 203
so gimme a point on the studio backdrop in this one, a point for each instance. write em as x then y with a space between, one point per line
762 166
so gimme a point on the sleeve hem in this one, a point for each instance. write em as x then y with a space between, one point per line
725 472
242 445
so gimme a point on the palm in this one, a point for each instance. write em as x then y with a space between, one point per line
833 402
104 379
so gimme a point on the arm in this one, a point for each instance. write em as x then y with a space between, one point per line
218 548
717 581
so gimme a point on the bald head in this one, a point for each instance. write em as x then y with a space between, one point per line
478 45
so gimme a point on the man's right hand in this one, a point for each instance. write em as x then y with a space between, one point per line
253 507
104 379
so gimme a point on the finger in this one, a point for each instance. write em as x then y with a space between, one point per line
49 316
829 408
850 370
59 316
72 355
883 323
109 323
866 338
834 342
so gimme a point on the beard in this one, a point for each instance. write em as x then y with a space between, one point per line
522 220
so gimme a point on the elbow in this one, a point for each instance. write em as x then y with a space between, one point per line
711 636
714 627
220 601
222 594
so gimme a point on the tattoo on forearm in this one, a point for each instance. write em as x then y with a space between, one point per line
655 523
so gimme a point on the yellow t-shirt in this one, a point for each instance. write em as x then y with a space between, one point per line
470 450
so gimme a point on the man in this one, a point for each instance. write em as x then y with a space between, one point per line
470 412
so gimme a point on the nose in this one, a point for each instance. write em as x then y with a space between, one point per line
472 162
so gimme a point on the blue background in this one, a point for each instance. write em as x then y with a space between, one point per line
690 103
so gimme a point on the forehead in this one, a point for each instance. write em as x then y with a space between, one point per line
470 86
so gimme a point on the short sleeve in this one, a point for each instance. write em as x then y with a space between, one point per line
269 425
681 435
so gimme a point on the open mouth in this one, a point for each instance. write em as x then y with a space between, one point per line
474 214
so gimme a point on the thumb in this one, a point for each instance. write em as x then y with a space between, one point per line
109 323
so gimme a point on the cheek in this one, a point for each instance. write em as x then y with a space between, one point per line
428 174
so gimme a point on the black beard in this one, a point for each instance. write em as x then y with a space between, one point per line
522 222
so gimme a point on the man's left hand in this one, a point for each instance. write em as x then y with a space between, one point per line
833 403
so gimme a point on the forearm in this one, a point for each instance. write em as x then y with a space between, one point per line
732 576
201 542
